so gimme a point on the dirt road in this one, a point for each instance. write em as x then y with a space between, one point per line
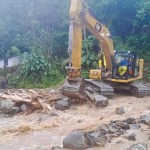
42 131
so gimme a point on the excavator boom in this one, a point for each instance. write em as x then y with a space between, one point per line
79 17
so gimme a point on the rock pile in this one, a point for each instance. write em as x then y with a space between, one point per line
99 137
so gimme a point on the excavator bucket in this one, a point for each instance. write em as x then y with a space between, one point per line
74 89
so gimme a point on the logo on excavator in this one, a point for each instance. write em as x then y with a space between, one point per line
98 27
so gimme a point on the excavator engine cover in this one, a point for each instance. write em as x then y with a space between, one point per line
95 74
74 89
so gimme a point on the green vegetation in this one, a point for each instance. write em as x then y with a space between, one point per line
34 71
40 28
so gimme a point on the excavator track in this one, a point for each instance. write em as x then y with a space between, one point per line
100 87
139 89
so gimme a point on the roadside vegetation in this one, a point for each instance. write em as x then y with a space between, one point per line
38 32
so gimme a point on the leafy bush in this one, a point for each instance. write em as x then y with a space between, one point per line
90 49
35 72
33 67
13 51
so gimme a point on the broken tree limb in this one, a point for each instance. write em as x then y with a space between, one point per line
34 100
14 98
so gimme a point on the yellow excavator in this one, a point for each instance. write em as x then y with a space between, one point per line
118 69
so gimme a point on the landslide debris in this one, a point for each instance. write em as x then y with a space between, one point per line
80 139
27 101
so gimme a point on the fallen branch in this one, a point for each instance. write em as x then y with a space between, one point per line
32 99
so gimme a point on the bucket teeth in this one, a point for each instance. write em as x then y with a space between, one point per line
74 90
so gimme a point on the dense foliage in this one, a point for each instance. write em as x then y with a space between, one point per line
41 29
35 71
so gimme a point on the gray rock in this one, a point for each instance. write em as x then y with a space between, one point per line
105 129
142 119
130 120
120 111
6 106
80 121
43 117
15 110
100 101
24 107
145 119
125 126
139 146
135 126
63 104
119 142
75 140
95 135
56 148
53 114
131 137
112 129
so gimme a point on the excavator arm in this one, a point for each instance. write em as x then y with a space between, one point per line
75 41
101 32
79 17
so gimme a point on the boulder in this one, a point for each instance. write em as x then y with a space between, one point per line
145 119
131 137
6 106
135 126
142 119
100 101
96 137
24 107
130 120
125 126
112 129
15 110
105 129
75 140
120 110
139 146
63 104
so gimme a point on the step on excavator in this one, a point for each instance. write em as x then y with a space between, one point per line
118 70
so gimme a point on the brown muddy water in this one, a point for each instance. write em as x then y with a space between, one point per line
40 131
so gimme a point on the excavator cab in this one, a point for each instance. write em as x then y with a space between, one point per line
125 65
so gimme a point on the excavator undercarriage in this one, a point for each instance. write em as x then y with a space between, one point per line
86 89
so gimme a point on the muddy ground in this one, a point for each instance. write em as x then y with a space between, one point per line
41 131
